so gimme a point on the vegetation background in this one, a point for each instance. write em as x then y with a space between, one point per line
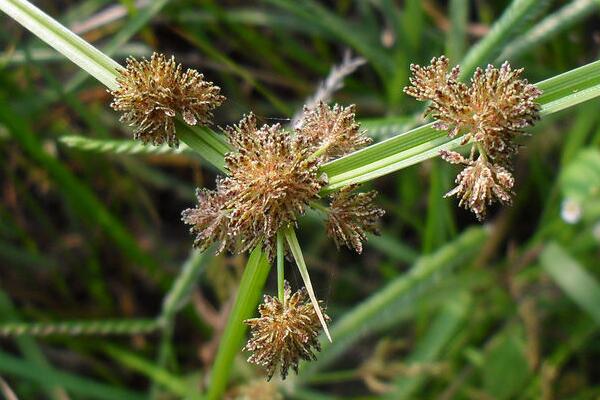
438 307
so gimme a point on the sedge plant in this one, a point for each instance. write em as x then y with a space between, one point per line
272 173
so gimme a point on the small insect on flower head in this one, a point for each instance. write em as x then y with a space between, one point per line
285 333
152 93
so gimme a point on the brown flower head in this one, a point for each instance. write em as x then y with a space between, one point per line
285 333
153 92
480 184
210 219
492 111
332 131
351 216
272 180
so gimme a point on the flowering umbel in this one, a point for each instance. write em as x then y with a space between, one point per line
285 333
153 92
352 216
490 112
273 177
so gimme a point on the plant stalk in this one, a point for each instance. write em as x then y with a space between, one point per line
248 296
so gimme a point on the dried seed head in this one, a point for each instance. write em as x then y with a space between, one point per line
352 216
284 333
271 181
210 219
492 111
482 183
332 131
153 92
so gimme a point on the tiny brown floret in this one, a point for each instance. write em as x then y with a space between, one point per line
153 92
285 333
351 216
332 131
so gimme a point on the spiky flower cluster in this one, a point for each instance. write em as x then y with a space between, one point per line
285 333
332 131
273 177
490 112
351 216
153 92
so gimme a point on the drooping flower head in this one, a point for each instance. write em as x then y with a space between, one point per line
480 184
490 112
152 93
351 216
285 333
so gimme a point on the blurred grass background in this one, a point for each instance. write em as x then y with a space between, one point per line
438 306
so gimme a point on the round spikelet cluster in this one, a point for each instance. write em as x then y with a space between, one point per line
285 333
152 93
332 130
352 216
273 177
490 112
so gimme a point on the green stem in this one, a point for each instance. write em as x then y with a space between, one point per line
280 268
248 296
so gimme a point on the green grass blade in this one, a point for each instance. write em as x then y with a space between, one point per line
179 293
428 350
456 40
172 383
78 328
406 149
46 55
292 240
569 15
248 296
121 146
86 56
82 387
515 15
387 305
577 283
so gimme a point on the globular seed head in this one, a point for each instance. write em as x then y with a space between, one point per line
351 216
332 130
152 93
285 333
